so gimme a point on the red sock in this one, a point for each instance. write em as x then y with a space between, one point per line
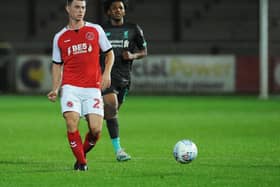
90 141
76 145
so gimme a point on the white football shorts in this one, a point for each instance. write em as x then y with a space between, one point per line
81 100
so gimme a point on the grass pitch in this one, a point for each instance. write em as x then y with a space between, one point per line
237 137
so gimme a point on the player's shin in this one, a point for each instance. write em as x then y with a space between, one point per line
113 129
90 141
76 145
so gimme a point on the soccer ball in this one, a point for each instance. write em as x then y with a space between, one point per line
185 151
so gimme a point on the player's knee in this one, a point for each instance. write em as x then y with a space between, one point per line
72 123
110 111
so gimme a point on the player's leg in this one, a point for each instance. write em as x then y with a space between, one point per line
121 96
90 140
71 109
111 106
95 128
110 115
74 138
122 155
93 111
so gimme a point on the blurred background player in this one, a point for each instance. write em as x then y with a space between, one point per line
128 43
76 51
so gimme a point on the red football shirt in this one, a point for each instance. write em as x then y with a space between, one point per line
79 51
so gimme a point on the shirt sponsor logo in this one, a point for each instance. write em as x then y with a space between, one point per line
117 43
79 49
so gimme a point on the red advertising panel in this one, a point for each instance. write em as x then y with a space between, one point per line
276 75
247 74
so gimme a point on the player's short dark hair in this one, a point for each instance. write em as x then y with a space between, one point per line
68 2
107 4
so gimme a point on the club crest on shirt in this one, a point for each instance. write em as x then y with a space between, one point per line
125 35
89 36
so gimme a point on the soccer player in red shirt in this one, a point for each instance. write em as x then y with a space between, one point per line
76 69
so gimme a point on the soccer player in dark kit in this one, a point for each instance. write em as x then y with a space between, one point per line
128 43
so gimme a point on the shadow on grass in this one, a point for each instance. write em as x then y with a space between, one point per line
19 166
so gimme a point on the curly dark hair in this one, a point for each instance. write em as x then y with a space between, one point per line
107 4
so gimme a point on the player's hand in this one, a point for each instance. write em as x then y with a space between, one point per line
106 80
127 55
52 95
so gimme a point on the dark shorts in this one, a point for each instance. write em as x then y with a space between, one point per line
119 88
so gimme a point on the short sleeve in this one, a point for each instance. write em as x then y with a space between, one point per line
104 43
56 55
140 39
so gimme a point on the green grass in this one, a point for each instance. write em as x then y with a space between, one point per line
237 137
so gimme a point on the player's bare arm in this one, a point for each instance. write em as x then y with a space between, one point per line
127 55
56 81
106 77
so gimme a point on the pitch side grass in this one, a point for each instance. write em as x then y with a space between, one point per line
237 137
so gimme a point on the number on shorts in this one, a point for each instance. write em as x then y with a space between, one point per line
97 103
